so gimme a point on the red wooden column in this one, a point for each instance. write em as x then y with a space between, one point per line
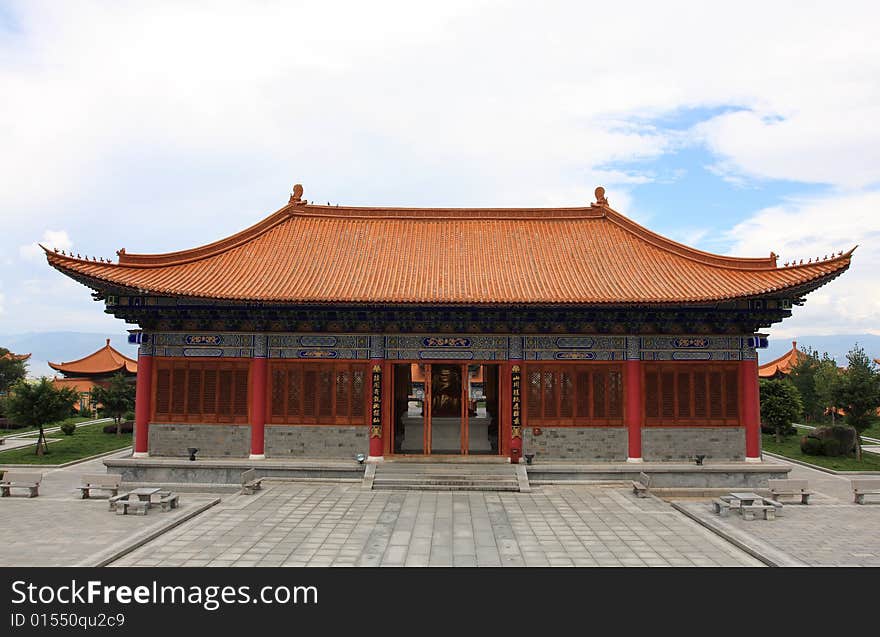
380 408
142 400
634 417
750 408
259 396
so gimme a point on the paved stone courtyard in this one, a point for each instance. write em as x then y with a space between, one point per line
341 524
308 524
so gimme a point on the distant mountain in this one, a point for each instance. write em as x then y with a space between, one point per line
837 346
61 347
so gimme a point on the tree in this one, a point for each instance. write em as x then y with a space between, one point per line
115 400
781 405
36 404
858 392
12 370
803 376
825 378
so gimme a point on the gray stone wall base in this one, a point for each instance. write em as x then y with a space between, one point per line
584 444
316 441
667 444
212 441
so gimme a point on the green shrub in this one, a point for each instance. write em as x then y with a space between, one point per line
811 446
68 428
129 415
831 447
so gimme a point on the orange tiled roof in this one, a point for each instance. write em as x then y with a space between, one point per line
16 357
783 364
81 385
305 253
105 361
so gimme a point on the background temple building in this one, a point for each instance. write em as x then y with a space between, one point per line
326 331
98 368
781 367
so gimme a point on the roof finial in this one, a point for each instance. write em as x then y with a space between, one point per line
108 342
120 252
601 199
296 196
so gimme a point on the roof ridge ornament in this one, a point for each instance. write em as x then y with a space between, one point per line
601 199
296 195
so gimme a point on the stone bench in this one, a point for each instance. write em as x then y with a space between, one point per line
168 500
721 507
123 505
250 482
865 486
116 498
790 488
21 480
641 486
99 482
767 511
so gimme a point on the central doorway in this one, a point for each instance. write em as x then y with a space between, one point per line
445 409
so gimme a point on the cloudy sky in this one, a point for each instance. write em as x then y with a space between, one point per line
738 128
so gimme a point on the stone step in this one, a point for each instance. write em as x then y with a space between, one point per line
446 477
429 468
445 487
440 480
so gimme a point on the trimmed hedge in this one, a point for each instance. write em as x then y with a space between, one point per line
127 427
811 446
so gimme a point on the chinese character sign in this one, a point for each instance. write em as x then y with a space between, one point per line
376 419
516 400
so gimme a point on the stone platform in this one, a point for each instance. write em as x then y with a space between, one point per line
664 475
225 471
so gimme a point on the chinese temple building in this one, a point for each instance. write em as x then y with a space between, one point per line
98 368
781 367
326 331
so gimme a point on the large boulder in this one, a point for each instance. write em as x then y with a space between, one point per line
843 434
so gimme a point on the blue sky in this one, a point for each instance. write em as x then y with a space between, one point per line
161 126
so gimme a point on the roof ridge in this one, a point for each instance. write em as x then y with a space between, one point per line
688 252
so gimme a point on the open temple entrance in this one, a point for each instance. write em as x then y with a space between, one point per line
446 409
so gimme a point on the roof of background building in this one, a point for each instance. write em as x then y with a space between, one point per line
104 361
17 357
306 253
783 364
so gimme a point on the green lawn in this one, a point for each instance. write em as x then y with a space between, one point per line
790 447
873 431
24 430
87 441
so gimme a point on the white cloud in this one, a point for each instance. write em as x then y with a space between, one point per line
164 122
51 239
816 227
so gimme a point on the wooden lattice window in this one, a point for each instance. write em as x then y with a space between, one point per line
201 391
303 393
569 395
691 393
